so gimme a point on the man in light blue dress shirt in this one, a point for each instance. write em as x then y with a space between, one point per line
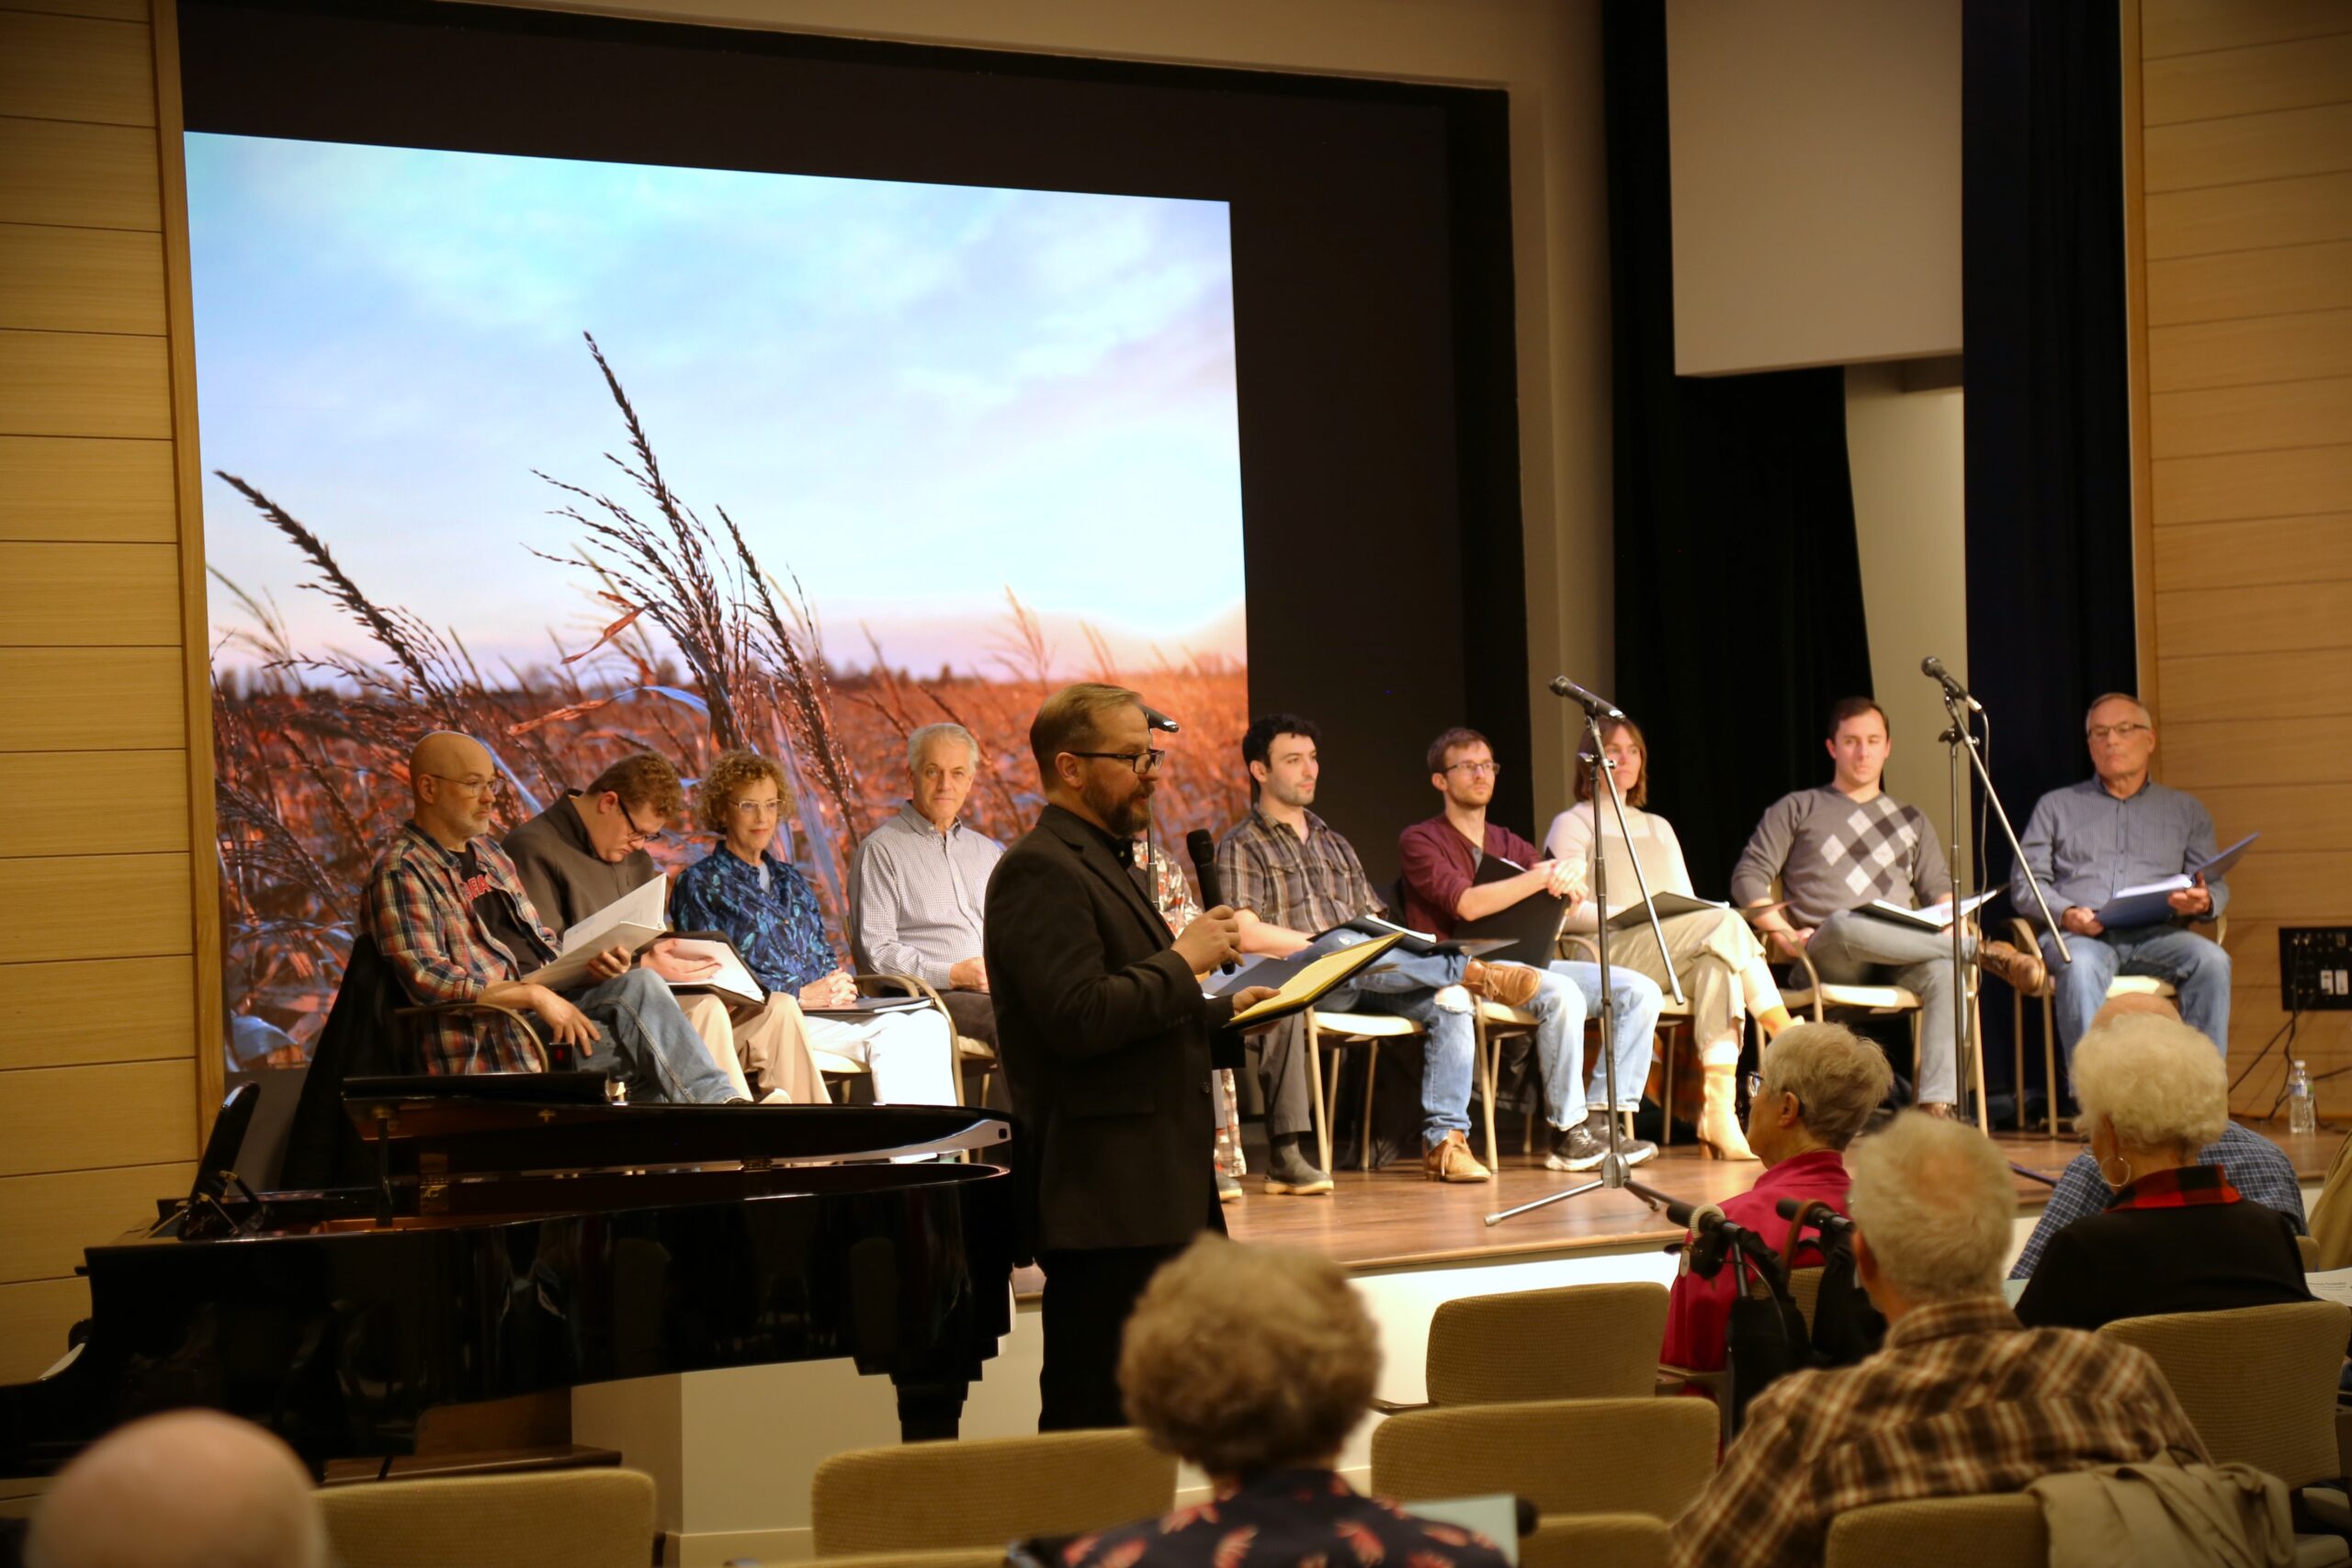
2122 828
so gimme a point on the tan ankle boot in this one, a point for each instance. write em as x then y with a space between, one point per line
1719 1129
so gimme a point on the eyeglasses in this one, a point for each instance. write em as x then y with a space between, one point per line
474 785
1755 1083
755 808
2114 731
1141 761
1476 770
638 836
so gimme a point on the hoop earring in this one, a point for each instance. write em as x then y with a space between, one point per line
2115 1159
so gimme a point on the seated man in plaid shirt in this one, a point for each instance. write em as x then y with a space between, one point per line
1962 1402
447 912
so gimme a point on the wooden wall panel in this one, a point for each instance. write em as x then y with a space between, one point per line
73 1118
2188 27
63 595
2259 753
150 1012
33 1321
2217 687
2301 481
2291 818
87 488
145 796
83 384
2249 217
77 68
97 907
46 1220
2237 353
2244 555
2215 82
2243 148
88 699
93 176
2250 283
2261 417
81 280
2257 620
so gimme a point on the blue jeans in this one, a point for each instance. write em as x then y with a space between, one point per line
2197 969
1404 986
645 1041
1561 1004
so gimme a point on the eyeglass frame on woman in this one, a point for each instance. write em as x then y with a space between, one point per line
1753 1081
1139 763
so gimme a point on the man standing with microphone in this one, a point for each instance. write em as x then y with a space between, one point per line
1107 1042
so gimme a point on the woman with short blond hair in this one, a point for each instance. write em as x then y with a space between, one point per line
1255 1363
2176 1236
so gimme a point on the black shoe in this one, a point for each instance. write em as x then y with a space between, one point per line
1575 1149
1290 1174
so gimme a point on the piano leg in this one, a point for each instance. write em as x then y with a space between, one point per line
929 1406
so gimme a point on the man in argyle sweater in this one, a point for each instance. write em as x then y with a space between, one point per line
1838 848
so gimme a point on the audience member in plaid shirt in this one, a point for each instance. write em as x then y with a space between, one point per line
1962 1402
448 915
2177 1236
1837 848
2255 1166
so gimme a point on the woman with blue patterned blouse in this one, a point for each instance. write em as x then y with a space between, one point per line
769 911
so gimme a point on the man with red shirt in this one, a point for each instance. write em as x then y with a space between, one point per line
1819 1084
1441 857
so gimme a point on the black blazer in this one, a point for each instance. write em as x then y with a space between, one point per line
2140 1262
1106 1043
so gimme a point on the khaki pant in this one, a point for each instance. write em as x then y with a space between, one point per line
763 1045
1710 948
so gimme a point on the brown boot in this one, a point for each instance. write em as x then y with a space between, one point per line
1453 1161
2022 970
1511 984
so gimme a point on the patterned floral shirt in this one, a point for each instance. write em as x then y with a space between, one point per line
1286 1518
778 929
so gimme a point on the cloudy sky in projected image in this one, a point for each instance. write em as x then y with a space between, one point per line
911 396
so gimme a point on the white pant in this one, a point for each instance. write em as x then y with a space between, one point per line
911 1053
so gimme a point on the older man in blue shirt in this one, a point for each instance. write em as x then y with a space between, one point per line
2122 828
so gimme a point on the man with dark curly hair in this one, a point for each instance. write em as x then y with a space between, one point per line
1296 1360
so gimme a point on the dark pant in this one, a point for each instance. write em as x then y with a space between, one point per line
1090 1294
975 1017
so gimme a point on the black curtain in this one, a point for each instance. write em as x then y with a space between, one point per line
1738 586
2049 467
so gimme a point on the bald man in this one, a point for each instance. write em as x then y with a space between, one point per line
449 916
191 1489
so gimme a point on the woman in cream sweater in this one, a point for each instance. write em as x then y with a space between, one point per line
1719 957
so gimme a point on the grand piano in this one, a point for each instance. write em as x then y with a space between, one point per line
519 1235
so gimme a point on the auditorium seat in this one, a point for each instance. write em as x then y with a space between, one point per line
2259 1384
1596 1541
2022 932
1990 1532
581 1518
1660 1453
983 1492
1339 1030
1596 1341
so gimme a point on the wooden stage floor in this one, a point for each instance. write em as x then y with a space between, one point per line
1393 1219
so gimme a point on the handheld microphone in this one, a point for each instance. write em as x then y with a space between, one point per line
1933 668
1155 719
1203 849
1600 707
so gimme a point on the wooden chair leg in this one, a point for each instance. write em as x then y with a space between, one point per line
1664 1041
1315 1092
1918 1035
2017 1038
1976 1059
2050 1060
1371 1077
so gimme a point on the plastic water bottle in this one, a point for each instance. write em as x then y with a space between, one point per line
2302 1116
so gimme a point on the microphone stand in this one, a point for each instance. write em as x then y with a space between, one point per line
1613 1164
1959 736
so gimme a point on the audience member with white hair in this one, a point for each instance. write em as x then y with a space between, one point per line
191 1489
2176 1236
2257 1167
1962 1402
